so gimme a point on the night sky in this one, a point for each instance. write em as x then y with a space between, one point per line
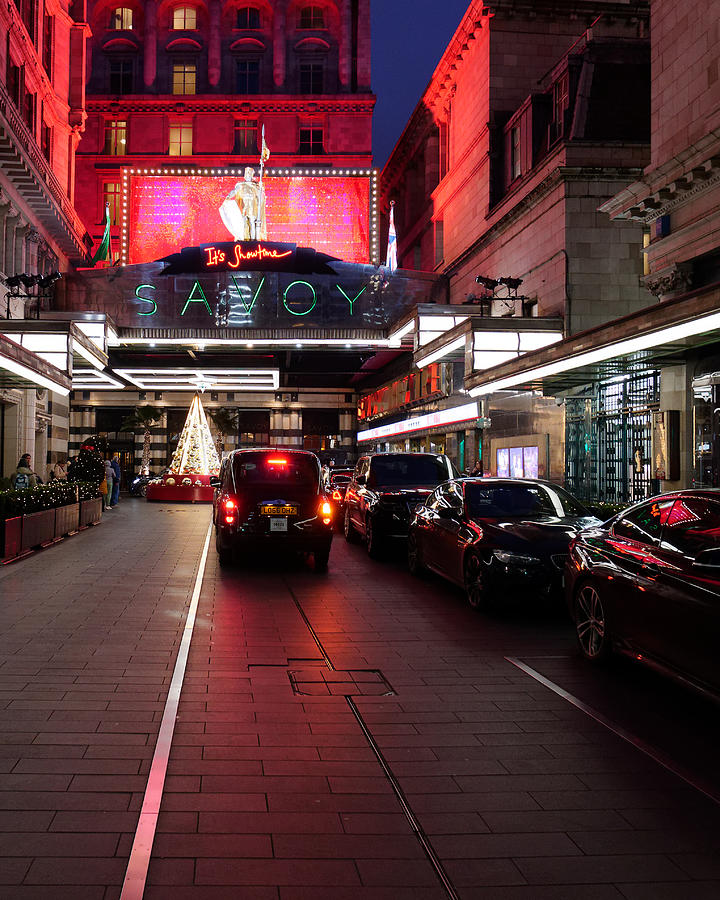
408 39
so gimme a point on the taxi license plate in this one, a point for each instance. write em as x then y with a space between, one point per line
278 524
278 510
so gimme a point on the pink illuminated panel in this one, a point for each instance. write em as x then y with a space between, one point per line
167 212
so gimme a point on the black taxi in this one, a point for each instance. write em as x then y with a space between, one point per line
275 500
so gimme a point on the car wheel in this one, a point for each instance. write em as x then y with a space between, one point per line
591 624
224 555
351 536
414 556
372 541
320 559
475 586
143 490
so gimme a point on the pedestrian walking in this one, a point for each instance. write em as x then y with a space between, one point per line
117 475
109 481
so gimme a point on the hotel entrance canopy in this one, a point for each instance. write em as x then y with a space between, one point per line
650 338
21 368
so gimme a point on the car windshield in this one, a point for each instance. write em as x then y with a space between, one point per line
402 470
507 500
275 468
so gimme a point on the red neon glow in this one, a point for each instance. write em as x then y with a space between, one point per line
168 212
217 257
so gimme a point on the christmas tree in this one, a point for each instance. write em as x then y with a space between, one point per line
88 465
195 453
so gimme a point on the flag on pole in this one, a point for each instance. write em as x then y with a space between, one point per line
103 251
391 257
264 151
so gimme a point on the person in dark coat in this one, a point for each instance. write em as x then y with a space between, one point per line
117 475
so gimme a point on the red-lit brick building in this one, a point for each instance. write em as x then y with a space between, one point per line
191 84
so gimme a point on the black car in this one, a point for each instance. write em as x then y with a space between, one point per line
138 485
272 500
496 537
337 485
384 491
647 584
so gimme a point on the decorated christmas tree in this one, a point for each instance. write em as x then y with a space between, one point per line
195 453
88 465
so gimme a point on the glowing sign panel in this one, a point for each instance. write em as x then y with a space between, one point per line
167 212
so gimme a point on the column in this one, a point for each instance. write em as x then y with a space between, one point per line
279 45
150 44
363 48
345 61
214 45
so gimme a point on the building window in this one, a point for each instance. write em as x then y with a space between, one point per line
181 138
121 19
184 78
111 198
121 76
311 77
515 167
184 19
46 141
115 138
561 102
245 133
15 80
248 18
28 110
247 76
312 17
47 44
439 242
311 140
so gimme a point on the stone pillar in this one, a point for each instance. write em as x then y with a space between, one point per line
214 45
12 220
279 45
21 233
150 44
363 50
345 61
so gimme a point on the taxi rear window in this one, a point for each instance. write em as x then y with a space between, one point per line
275 468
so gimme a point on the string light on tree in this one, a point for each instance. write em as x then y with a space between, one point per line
195 453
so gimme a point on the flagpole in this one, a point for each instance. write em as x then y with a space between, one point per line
258 217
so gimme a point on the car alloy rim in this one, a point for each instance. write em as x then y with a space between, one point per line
590 621
473 581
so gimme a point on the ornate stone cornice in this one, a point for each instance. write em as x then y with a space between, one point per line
230 104
674 279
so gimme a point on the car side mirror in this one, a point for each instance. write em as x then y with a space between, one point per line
361 479
708 559
214 481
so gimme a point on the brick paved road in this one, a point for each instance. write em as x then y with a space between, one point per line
274 789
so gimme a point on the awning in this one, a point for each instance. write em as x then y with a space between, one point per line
20 368
648 339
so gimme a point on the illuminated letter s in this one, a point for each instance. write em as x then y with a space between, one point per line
146 299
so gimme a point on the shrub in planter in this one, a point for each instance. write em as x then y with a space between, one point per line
44 496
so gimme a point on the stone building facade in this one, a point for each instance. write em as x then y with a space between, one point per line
42 114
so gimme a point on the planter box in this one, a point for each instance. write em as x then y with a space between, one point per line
67 519
38 528
11 542
90 511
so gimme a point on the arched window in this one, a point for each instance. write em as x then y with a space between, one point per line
184 18
312 17
248 18
121 19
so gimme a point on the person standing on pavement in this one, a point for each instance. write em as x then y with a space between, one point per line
59 471
109 482
117 475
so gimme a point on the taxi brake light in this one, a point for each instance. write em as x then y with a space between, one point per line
336 495
277 462
229 503
229 520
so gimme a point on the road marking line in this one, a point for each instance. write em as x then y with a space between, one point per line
136 873
657 755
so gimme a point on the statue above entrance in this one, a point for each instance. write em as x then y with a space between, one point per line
243 210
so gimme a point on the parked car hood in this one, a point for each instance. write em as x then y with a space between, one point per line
548 533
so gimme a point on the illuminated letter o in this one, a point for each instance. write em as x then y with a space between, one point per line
285 298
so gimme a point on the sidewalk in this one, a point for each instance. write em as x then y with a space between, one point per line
278 785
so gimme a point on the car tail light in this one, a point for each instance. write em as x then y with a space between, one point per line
277 461
326 512
230 507
336 495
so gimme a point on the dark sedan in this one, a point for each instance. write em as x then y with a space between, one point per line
496 537
647 583
337 485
